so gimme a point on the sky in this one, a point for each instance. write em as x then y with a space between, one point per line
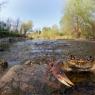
41 12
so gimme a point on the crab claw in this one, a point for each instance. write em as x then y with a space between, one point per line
64 79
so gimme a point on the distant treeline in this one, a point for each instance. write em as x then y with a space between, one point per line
14 28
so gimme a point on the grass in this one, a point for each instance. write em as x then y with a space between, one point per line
53 35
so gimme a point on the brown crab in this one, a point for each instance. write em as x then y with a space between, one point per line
80 64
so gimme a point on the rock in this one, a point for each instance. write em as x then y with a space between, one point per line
11 40
28 62
36 79
86 88
1 49
3 65
28 80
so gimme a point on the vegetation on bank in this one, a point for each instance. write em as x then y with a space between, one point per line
8 34
7 29
46 33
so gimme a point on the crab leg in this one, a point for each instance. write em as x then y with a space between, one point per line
63 78
56 71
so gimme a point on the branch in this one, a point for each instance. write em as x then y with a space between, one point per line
3 3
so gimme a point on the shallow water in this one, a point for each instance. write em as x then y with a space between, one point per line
40 50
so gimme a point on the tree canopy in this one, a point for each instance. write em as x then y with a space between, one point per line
25 26
78 19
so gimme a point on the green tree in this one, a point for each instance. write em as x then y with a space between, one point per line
78 18
50 32
46 32
26 26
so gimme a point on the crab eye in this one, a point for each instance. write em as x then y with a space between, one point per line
91 57
72 57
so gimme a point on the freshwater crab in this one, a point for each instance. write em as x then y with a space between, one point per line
74 62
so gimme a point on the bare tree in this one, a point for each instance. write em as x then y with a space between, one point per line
17 25
2 3
8 23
